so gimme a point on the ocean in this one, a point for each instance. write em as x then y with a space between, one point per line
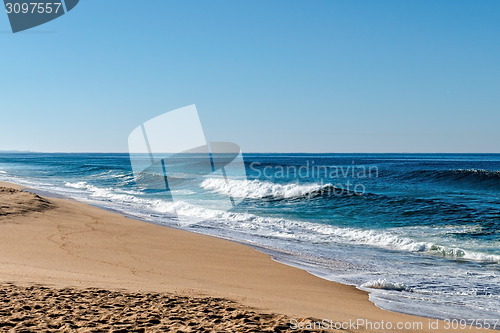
419 232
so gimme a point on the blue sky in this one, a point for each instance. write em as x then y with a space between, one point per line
272 76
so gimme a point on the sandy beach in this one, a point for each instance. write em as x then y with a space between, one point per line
68 266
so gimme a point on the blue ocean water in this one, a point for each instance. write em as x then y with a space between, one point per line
420 232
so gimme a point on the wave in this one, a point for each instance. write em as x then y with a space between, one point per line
256 189
105 168
384 284
479 173
391 241
469 176
273 227
106 192
3 172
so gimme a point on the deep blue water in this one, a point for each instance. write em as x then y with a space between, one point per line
421 232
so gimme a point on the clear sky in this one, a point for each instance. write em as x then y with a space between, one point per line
272 76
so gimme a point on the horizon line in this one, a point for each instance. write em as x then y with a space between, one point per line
303 152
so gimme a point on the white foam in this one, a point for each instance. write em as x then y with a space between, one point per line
81 185
386 285
391 241
479 172
256 189
109 193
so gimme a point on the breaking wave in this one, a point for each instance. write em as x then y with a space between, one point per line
256 189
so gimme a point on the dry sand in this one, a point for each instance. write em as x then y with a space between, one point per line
154 278
40 308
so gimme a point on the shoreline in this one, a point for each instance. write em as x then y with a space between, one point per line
116 252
